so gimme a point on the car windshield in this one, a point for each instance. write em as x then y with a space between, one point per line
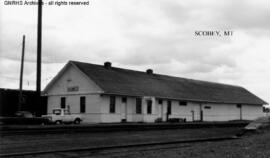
57 111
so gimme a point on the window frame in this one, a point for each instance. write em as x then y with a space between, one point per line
112 107
182 103
149 104
56 111
63 102
169 107
124 99
82 104
239 105
138 106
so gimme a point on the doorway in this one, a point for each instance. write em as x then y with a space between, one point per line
124 109
169 110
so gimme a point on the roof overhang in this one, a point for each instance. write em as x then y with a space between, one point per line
183 99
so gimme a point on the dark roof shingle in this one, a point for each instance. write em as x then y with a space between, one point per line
136 83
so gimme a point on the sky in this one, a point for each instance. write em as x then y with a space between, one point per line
142 34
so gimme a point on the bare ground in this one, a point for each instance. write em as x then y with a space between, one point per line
252 145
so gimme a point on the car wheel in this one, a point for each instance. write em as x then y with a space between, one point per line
58 122
77 121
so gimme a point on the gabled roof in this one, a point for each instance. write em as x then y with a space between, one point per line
135 83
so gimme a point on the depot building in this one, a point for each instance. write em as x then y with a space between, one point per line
103 93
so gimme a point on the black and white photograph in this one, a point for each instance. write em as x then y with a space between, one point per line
135 78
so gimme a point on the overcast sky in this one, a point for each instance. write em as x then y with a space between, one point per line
142 34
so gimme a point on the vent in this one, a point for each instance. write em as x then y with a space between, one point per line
149 71
107 65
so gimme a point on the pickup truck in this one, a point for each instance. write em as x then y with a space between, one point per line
60 116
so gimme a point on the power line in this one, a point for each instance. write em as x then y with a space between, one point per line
15 78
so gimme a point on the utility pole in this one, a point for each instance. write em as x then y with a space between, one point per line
21 75
39 43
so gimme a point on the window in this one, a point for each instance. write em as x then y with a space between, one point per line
169 107
73 89
124 99
63 102
82 104
266 110
149 106
182 103
138 105
207 107
112 104
57 111
160 101
239 105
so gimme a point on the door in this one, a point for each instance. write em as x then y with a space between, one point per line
169 110
124 109
240 110
160 109
196 113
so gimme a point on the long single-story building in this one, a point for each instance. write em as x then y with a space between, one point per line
102 93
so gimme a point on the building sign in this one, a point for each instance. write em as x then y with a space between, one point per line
73 89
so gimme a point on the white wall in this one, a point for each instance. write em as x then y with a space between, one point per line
178 111
106 116
185 111
132 116
53 102
131 110
224 112
251 112
221 112
72 77
218 112
149 117
92 106
161 109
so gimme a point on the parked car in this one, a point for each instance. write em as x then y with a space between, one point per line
60 116
24 114
23 118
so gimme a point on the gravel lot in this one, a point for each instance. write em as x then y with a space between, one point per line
43 142
251 146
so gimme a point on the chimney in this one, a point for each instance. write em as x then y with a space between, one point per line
107 65
149 71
